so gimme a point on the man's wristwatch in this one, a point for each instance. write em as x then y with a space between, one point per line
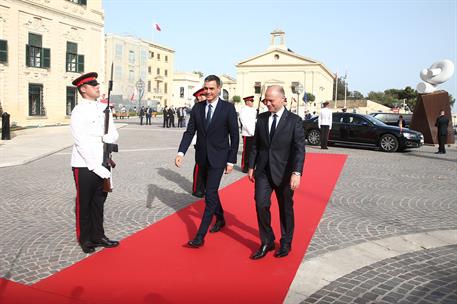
296 173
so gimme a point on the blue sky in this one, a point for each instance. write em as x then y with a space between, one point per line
381 44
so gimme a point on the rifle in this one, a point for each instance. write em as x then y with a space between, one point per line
108 162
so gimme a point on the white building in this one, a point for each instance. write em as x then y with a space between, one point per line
139 63
280 66
44 45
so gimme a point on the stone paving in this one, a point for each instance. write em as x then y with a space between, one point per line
379 195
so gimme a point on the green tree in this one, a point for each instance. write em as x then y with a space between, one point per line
236 99
310 97
357 95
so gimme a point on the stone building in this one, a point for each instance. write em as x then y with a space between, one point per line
278 65
44 45
139 65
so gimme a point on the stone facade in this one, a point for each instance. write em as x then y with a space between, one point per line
280 66
136 59
184 86
40 35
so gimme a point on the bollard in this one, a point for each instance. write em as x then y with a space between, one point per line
6 134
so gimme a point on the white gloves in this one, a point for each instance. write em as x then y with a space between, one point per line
108 139
102 172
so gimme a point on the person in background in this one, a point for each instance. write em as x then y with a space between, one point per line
198 184
442 124
401 123
141 114
248 116
325 124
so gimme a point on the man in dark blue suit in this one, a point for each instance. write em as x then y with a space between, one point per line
276 164
216 124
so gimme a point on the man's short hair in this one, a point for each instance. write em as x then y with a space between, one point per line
279 88
213 78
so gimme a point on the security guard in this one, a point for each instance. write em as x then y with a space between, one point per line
198 184
248 116
87 127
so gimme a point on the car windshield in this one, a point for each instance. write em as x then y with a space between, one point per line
374 120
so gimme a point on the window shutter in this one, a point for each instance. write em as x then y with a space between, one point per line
46 55
80 67
3 51
27 55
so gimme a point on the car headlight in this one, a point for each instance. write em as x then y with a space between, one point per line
408 135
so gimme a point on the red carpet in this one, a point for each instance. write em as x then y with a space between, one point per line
155 266
11 292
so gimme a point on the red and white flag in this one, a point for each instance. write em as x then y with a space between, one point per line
133 97
157 26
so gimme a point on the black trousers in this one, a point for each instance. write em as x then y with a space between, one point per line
148 119
213 207
90 201
165 122
171 121
247 147
324 136
141 120
198 183
264 187
442 143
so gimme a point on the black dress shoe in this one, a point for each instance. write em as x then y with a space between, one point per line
88 247
105 242
198 194
196 243
217 226
263 251
283 251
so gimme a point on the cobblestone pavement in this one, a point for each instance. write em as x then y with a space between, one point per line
379 195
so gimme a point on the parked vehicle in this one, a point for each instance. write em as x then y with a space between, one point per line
391 119
351 129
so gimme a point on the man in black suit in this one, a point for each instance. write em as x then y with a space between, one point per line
276 164
215 121
442 123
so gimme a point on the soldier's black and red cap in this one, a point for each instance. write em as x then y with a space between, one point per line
248 98
88 78
199 92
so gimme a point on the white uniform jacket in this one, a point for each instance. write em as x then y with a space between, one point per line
247 118
87 128
325 118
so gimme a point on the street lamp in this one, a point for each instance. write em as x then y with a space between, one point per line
140 90
298 89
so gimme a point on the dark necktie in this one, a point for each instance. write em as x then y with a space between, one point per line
273 127
208 116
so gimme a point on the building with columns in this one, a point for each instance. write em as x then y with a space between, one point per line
278 65
44 45
138 61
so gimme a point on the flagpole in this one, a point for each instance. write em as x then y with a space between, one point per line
336 88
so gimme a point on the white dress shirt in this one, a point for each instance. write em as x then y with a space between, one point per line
270 119
325 118
87 127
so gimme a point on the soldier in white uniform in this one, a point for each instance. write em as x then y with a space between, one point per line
248 116
87 127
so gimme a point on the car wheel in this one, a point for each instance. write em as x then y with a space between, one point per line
388 143
314 137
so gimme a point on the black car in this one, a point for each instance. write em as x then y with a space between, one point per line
352 129
391 119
